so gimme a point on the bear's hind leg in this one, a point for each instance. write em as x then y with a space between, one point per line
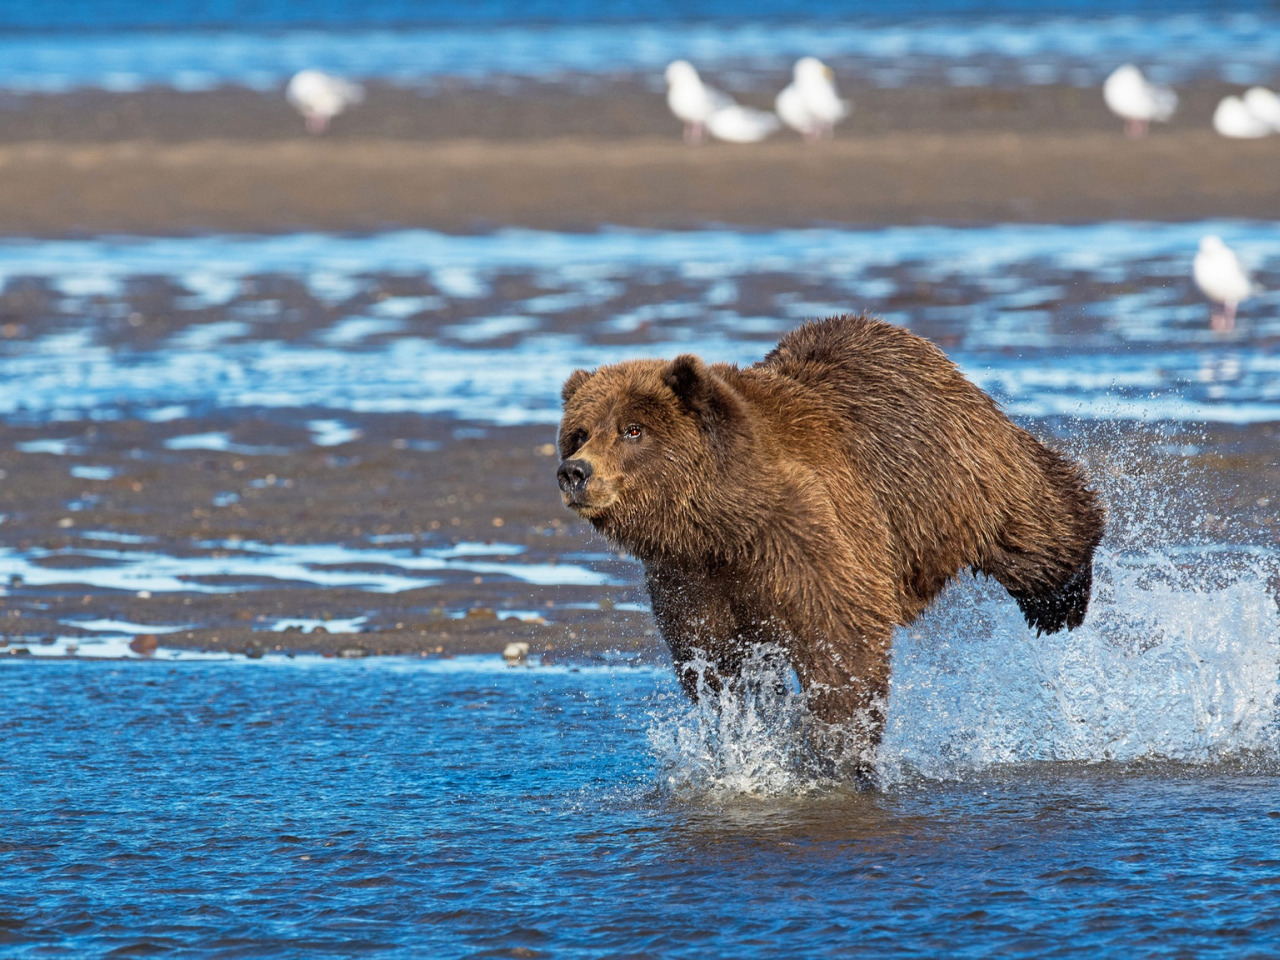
1050 609
1043 554
1051 585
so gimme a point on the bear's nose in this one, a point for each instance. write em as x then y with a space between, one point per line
573 475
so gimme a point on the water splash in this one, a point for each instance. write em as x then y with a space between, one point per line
751 737
1179 660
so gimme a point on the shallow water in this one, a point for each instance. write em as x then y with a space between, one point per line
1097 326
1109 791
1096 321
240 565
398 808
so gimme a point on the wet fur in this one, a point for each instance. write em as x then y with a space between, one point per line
820 497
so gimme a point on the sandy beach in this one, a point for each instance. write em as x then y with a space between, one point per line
470 160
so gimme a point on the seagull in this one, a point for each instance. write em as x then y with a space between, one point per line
691 100
738 124
1221 278
810 104
1234 119
1265 105
1131 96
320 97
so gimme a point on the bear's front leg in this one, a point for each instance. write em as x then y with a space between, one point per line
840 652
846 685
695 614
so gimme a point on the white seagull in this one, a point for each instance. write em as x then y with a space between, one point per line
1234 119
1220 277
320 97
693 101
738 124
810 103
1132 97
1265 105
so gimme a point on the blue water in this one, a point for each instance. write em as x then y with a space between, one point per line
1097 321
410 809
1078 47
90 15
1107 792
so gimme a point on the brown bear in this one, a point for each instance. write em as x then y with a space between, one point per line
818 498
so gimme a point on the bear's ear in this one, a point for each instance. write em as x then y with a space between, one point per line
572 385
699 390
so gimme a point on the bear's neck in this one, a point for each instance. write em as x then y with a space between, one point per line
723 522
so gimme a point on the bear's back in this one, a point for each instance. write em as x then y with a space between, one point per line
889 382
936 453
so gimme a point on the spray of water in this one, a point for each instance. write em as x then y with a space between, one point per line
1179 660
753 736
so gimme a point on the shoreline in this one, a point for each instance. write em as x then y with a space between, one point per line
160 162
51 190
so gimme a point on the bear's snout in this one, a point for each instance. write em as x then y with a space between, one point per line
573 476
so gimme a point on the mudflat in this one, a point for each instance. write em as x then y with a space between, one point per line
128 496
459 161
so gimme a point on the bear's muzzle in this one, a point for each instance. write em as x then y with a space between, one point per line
573 476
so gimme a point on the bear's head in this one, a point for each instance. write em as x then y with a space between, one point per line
643 443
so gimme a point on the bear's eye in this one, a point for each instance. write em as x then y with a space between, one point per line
575 440
632 432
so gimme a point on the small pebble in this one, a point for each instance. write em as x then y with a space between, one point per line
144 644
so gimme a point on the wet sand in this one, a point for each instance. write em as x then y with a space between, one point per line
429 483
466 160
406 477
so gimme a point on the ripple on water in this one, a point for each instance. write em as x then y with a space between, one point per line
445 807
1051 322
